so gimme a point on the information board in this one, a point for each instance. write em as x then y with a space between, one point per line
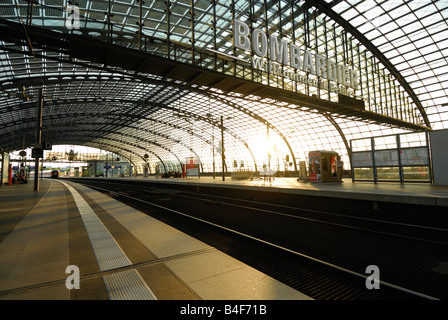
439 155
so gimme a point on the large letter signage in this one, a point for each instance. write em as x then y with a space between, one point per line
282 53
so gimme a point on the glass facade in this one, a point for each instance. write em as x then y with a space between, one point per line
396 67
400 158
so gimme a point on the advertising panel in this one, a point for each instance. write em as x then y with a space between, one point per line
5 167
314 166
192 167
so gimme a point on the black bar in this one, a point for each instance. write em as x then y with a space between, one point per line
40 104
400 168
372 144
222 151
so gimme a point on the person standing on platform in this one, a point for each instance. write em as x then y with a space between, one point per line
340 167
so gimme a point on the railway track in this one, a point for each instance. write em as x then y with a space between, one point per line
322 254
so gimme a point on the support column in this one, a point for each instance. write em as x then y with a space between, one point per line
2 153
269 151
40 104
223 158
400 168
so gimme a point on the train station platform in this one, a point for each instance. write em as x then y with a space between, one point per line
392 192
69 242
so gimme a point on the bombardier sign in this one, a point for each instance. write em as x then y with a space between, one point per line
282 53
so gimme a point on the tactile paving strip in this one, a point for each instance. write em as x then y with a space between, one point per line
124 285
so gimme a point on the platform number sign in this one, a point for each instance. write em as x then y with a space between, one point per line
47 145
373 281
37 153
72 281
72 20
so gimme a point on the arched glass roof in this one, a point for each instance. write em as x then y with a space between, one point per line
412 36
397 48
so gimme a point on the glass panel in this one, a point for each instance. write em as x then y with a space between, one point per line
390 173
414 156
386 158
180 20
362 159
416 174
389 142
413 140
363 173
361 145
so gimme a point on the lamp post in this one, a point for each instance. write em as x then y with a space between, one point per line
269 151
209 115
213 150
40 104
223 158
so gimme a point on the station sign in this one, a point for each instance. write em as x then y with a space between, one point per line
47 145
37 153
298 61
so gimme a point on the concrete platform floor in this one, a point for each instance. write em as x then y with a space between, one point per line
42 233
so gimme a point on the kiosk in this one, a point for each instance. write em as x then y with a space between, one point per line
323 166
191 167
